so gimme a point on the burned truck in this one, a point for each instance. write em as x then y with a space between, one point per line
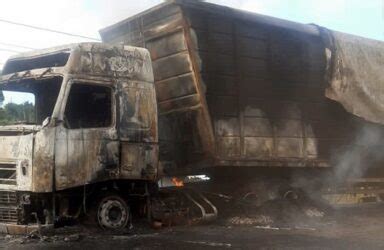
95 121
211 90
255 91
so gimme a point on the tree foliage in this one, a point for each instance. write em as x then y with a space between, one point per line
13 113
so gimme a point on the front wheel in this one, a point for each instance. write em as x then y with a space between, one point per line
113 212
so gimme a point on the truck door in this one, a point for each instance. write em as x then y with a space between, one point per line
87 149
138 130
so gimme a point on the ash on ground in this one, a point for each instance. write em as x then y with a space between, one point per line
272 206
279 213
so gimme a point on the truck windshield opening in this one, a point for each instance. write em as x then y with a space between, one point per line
28 101
52 60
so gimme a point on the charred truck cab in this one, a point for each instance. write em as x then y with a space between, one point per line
94 134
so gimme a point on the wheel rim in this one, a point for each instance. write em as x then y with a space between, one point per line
113 214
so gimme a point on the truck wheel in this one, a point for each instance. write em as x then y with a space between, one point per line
112 212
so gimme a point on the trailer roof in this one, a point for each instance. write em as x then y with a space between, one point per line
225 11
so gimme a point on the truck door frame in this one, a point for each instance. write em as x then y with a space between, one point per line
82 155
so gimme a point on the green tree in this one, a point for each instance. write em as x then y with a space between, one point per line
17 113
1 98
3 117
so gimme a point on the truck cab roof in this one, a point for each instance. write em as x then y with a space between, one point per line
83 58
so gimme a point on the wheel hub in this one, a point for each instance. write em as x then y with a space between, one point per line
113 214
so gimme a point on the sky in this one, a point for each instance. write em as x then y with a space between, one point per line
87 17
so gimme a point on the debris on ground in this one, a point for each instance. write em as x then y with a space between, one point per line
271 228
211 244
314 212
259 220
73 237
290 209
8 237
135 236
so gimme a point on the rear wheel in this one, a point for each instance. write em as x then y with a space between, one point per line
112 212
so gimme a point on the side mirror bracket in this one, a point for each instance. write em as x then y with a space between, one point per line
46 122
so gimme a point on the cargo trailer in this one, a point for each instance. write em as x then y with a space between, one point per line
236 88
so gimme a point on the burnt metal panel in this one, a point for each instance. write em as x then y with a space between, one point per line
228 147
180 94
259 147
138 161
259 80
255 126
43 161
262 78
105 60
93 154
250 47
137 111
16 166
180 65
166 45
178 86
227 126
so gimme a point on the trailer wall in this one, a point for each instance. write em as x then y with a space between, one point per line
239 89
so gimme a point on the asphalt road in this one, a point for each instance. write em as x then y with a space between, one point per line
347 228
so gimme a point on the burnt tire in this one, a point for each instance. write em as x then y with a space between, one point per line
112 212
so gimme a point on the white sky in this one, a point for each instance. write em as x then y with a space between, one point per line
86 17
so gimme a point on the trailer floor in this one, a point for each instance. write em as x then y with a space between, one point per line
348 228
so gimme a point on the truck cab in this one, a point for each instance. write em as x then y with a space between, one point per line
93 123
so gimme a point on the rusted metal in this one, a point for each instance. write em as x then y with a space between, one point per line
238 101
41 161
204 125
206 208
218 87
259 80
58 150
181 205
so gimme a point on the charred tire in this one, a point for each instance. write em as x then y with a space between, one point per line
112 212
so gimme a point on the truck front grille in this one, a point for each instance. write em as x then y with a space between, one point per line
8 207
7 198
8 173
8 214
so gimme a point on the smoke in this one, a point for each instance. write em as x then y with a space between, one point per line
363 154
365 151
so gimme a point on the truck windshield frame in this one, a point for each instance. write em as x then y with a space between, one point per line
58 59
45 91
